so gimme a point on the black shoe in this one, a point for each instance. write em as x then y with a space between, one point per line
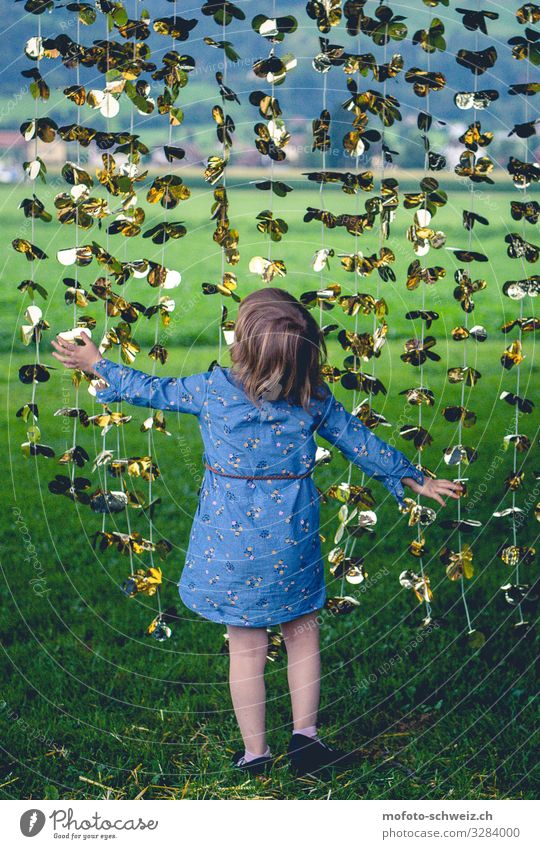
310 755
255 767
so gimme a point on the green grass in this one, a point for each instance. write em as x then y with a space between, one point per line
86 697
199 258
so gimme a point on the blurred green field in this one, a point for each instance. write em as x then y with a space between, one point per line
91 708
199 258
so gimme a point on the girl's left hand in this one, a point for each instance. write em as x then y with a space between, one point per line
81 357
435 488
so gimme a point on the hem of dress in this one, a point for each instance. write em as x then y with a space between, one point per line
221 621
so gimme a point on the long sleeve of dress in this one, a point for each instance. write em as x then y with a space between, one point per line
182 394
360 445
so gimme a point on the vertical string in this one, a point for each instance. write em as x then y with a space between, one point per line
76 272
106 323
322 200
356 365
223 183
518 366
351 540
150 432
120 433
357 362
272 94
427 604
465 365
33 222
107 127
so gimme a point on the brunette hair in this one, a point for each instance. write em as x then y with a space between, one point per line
278 349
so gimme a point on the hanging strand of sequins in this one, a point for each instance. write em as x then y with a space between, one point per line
423 587
225 129
322 63
367 346
272 231
459 565
356 147
33 208
224 236
321 256
107 105
132 217
518 555
517 444
76 221
271 137
418 350
329 54
175 191
120 432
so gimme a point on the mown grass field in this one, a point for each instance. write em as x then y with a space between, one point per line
91 708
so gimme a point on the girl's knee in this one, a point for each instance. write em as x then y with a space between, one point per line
248 643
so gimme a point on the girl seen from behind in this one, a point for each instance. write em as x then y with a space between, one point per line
254 555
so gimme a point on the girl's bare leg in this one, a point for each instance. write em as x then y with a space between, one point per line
248 648
304 668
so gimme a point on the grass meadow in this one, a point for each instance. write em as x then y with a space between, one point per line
92 708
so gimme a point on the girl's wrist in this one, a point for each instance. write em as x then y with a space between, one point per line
93 368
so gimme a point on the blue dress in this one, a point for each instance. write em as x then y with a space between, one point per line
254 554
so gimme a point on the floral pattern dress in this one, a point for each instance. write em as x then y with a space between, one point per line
254 554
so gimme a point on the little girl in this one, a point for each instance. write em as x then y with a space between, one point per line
254 555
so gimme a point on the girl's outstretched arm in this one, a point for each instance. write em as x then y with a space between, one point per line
376 457
182 394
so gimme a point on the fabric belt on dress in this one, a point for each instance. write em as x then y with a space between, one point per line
259 477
